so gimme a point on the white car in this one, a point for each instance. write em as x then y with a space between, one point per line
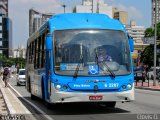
150 74
21 77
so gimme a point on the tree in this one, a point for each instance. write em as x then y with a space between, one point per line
12 61
3 59
149 32
147 56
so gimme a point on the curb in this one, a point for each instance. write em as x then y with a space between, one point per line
9 104
30 103
4 101
145 88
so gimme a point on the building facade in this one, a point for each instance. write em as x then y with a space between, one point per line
4 7
5 30
36 19
154 11
94 6
19 52
137 33
121 16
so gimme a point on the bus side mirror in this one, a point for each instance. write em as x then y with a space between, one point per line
49 41
131 44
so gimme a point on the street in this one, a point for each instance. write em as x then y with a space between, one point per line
82 57
147 102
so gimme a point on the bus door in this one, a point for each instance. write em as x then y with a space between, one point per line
48 65
48 74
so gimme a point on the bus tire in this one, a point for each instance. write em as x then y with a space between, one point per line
29 85
110 104
52 105
33 97
49 105
43 94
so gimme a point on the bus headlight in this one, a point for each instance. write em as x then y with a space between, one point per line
58 87
129 86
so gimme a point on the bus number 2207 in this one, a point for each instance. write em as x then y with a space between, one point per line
111 85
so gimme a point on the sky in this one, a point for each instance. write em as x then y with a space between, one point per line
138 10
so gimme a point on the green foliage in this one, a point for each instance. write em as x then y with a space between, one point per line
149 32
147 56
12 61
20 62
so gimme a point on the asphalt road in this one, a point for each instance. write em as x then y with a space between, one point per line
147 102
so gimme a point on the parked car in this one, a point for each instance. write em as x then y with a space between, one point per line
21 77
150 74
139 74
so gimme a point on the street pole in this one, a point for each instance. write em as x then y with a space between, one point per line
97 6
92 6
64 8
155 44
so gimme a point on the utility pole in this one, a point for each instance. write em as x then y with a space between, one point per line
155 44
92 6
97 6
64 6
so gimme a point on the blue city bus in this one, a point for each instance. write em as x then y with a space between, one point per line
80 57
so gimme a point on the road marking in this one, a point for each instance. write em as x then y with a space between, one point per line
33 105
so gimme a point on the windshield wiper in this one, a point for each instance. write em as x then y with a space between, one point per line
108 68
78 66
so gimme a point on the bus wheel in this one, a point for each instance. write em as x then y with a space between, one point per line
43 94
33 97
110 104
29 85
49 105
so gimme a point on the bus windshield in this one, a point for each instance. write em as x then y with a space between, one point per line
91 50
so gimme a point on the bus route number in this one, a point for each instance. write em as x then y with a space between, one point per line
111 85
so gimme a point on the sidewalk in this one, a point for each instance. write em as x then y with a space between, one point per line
3 107
12 103
144 85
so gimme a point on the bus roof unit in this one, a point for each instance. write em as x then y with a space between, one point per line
84 20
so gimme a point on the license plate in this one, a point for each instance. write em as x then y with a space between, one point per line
97 97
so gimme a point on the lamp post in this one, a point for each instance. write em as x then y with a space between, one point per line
155 44
92 6
64 6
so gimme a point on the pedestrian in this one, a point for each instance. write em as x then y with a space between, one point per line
6 75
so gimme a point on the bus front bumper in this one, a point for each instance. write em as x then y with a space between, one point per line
66 97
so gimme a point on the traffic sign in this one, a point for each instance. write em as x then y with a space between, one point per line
148 40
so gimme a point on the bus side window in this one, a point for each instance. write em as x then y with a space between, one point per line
38 52
35 55
32 50
29 53
43 52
